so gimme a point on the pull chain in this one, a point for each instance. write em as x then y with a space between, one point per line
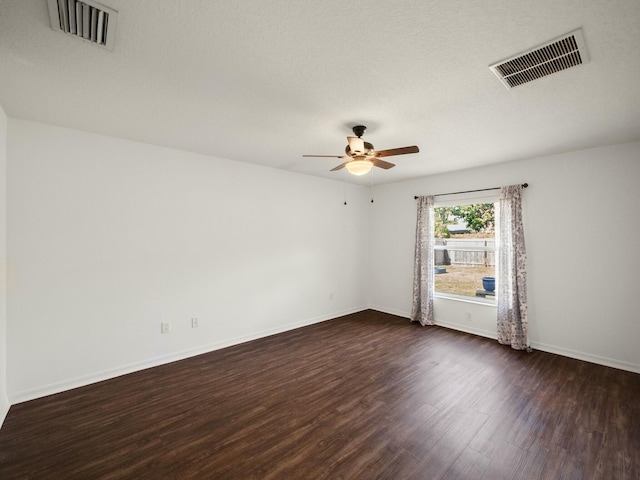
371 186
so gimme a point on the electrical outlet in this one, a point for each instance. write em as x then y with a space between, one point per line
195 323
165 327
469 316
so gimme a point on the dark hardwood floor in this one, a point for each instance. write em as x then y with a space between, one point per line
364 396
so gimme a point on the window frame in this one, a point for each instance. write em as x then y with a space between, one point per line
470 199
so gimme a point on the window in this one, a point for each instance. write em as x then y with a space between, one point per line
465 250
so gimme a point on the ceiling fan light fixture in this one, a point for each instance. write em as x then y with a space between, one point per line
359 166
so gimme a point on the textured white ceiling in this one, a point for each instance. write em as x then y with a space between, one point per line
268 81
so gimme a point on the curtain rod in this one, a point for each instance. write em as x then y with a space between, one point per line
524 185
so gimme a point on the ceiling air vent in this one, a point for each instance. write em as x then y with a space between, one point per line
86 19
559 54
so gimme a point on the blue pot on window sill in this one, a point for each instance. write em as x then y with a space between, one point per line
489 283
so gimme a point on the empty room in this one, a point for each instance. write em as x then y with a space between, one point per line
287 240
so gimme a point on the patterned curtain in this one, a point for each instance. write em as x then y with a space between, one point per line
512 282
422 309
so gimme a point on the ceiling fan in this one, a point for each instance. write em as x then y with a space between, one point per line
361 156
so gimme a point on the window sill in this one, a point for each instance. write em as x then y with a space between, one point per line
465 299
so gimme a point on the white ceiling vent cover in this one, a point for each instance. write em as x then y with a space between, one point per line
85 19
552 57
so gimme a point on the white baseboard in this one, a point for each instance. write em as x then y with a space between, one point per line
467 329
441 323
4 409
50 389
26 395
587 357
390 311
543 347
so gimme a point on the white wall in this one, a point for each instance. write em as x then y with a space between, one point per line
583 267
107 238
4 400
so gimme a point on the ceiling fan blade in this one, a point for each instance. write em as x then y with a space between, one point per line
397 151
324 156
342 165
382 164
356 144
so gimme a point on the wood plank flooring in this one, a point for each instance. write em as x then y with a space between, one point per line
366 396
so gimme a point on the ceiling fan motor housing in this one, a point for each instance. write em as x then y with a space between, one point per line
368 148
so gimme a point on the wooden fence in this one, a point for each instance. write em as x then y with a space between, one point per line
465 251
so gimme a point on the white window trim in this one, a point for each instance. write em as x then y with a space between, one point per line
466 299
